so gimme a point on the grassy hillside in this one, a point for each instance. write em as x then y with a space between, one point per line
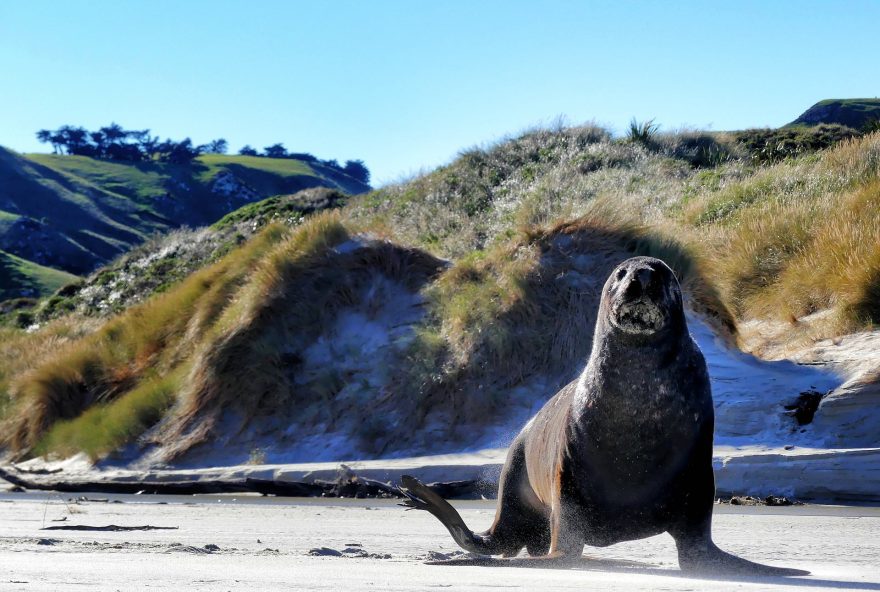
496 258
74 213
857 114
163 261
21 278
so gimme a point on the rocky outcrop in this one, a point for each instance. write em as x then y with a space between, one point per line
234 190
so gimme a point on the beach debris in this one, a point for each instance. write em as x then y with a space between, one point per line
770 500
108 528
324 552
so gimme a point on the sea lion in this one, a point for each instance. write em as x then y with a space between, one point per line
623 452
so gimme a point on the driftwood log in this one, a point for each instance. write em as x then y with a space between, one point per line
348 485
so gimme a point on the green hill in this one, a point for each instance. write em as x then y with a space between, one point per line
854 113
163 261
74 212
22 278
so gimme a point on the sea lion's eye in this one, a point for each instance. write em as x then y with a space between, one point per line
621 273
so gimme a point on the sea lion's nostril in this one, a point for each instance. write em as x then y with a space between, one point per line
645 277
633 289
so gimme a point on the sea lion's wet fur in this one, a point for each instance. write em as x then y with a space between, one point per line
623 452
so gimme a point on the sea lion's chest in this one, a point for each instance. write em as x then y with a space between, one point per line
629 453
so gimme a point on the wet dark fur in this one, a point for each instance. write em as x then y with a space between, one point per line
624 452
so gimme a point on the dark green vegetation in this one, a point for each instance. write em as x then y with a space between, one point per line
165 260
858 114
114 143
501 253
74 213
21 278
767 146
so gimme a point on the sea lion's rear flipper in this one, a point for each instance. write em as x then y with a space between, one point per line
714 561
420 497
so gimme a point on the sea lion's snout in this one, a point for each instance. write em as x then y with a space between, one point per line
640 301
643 281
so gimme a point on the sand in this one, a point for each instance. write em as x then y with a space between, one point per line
253 543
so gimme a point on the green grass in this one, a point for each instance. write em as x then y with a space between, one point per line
288 208
853 113
283 167
157 336
107 427
88 211
142 182
19 277
8 217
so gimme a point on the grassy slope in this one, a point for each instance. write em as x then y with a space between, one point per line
854 113
83 212
163 261
19 277
744 237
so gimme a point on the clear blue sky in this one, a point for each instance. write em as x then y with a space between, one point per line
407 85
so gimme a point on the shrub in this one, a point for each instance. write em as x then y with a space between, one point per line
643 132
767 146
871 126
698 149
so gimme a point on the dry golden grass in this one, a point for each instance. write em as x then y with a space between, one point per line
810 241
295 291
526 308
533 226
20 352
838 266
106 427
103 365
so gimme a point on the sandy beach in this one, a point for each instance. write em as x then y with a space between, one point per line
260 543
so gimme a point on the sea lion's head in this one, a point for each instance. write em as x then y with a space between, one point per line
642 298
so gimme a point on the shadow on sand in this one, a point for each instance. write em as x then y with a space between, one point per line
634 567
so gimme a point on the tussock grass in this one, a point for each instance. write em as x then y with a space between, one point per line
462 207
20 352
248 361
527 308
148 338
805 240
533 226
106 427
788 262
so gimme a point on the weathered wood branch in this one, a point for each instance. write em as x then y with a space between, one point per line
348 486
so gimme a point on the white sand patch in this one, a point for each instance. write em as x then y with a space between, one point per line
235 543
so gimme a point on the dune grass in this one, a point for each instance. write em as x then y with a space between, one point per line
107 427
155 337
531 228
20 352
293 294
798 237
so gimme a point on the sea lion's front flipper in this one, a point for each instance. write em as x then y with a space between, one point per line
710 560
